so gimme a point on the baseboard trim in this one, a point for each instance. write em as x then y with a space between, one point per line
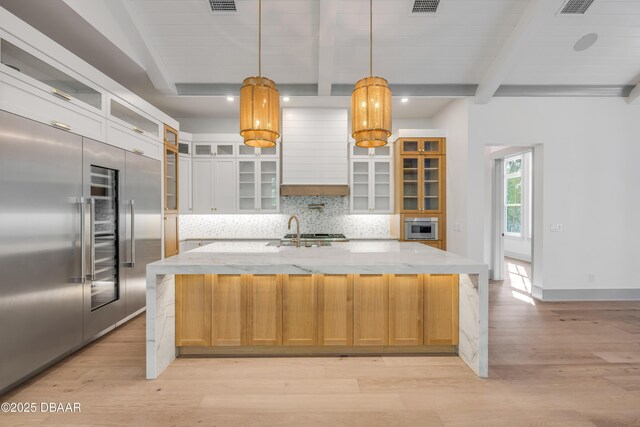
316 351
550 295
518 256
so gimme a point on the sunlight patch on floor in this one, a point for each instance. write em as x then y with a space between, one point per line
520 282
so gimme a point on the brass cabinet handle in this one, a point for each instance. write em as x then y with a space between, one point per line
138 151
138 130
61 94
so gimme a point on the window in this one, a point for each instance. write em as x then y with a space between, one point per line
513 195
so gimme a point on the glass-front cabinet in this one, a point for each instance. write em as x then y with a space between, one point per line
424 146
421 184
171 179
382 152
258 186
48 78
371 186
137 122
248 151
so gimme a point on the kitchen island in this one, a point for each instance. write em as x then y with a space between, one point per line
369 297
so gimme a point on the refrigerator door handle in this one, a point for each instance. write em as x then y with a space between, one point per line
92 239
132 263
81 278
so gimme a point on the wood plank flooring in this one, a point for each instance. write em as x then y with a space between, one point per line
551 364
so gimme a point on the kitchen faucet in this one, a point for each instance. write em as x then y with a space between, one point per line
294 216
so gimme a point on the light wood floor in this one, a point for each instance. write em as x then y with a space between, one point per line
552 364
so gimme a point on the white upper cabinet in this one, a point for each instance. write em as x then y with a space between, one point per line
53 81
230 177
214 185
385 152
42 81
371 184
258 189
137 121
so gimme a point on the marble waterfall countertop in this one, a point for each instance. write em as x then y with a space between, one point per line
356 257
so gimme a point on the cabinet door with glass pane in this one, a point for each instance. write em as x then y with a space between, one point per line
381 186
431 183
247 185
171 179
268 189
360 188
411 188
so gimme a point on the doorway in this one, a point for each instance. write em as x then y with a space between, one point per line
513 215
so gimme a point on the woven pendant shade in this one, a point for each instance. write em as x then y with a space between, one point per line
259 104
371 104
371 112
259 112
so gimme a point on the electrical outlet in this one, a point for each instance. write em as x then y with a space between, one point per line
556 228
592 278
457 227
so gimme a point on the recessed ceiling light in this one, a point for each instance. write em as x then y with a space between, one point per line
230 98
404 100
585 42
286 99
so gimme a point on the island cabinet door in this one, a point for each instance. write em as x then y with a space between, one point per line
441 309
371 309
300 309
193 310
263 309
335 309
228 320
405 309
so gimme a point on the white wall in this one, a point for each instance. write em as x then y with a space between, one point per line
454 119
590 178
210 125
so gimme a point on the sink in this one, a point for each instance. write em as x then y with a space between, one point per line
303 243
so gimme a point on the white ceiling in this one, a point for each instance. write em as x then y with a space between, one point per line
455 46
326 42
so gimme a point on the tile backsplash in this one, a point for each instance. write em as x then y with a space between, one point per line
334 217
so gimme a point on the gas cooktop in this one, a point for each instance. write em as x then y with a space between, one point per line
319 236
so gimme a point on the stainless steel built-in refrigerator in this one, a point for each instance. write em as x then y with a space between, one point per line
79 221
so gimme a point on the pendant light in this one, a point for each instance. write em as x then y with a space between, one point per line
259 104
371 104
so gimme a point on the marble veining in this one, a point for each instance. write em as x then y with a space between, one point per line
468 323
334 218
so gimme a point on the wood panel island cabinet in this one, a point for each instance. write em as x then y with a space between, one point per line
296 310
370 297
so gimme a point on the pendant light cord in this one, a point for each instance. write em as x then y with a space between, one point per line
259 38
370 38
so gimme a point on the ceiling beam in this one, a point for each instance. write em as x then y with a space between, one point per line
116 20
530 23
326 45
634 95
148 52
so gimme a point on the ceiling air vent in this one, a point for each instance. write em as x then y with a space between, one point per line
425 6
223 6
576 7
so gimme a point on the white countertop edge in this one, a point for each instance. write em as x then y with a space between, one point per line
314 269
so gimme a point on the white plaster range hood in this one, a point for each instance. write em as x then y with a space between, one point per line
315 158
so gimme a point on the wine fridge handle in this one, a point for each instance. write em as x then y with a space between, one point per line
83 241
92 238
133 235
